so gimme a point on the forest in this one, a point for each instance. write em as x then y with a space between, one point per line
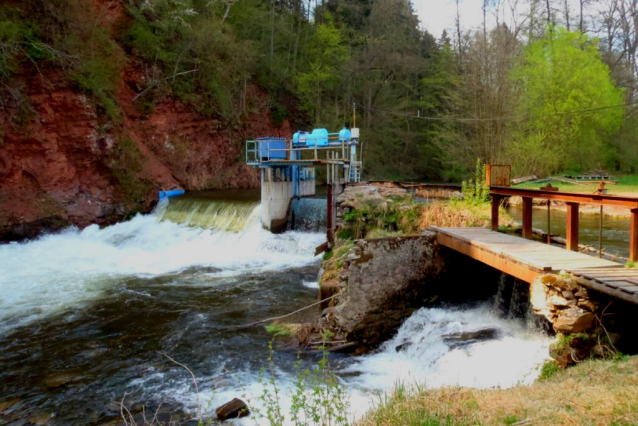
552 87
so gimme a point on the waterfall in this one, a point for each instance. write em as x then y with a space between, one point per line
310 214
220 215
74 267
512 301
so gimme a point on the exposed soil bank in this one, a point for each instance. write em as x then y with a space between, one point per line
68 165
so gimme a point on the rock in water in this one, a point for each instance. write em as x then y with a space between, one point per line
232 410
457 340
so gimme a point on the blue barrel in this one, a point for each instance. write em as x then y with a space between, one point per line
267 145
299 138
171 193
344 135
318 137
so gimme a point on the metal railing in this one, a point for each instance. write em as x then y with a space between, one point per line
259 151
573 201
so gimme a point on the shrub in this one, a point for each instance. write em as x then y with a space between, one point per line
476 191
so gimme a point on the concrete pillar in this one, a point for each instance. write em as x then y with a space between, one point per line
275 201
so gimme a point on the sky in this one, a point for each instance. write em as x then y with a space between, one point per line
437 15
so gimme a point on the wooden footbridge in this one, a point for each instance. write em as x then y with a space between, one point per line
526 259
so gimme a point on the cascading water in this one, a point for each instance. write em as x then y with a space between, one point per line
83 315
310 214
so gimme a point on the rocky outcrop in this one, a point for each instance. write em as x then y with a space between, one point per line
584 329
380 282
566 304
66 163
64 160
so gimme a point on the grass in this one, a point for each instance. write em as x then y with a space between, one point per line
591 393
625 183
458 213
404 217
283 330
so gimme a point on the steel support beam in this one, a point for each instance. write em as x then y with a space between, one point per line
572 226
527 217
633 238
496 201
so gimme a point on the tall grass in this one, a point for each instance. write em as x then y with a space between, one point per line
592 393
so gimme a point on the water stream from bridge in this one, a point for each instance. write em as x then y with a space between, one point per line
84 315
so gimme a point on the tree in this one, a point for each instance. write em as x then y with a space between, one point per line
326 54
568 99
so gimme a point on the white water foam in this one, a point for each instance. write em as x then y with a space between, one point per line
311 284
58 271
511 356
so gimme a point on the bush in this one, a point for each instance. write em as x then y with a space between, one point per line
317 396
476 191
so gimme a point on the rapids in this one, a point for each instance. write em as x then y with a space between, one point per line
84 315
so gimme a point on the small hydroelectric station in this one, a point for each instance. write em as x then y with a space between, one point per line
288 170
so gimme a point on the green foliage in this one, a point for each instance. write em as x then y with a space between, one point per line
326 56
317 396
476 191
230 59
560 73
278 114
630 264
194 55
549 369
278 330
98 76
398 216
126 163
10 38
327 255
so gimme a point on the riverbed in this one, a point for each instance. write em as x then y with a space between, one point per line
87 318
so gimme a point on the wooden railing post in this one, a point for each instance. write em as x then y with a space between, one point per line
496 201
527 217
633 238
572 226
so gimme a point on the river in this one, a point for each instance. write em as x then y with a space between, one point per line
86 316
615 228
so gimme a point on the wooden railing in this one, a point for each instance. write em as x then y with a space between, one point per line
573 201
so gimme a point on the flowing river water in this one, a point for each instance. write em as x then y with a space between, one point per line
85 317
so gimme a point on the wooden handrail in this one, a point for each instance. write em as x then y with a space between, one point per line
573 201
573 197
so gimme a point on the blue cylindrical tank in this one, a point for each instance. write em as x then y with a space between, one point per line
299 138
318 137
344 135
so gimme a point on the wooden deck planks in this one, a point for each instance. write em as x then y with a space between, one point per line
526 259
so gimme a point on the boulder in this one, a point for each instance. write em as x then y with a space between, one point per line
462 339
587 305
561 302
574 320
232 410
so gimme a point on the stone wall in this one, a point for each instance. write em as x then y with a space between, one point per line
380 282
588 323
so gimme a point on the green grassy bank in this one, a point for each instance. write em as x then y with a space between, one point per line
591 393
